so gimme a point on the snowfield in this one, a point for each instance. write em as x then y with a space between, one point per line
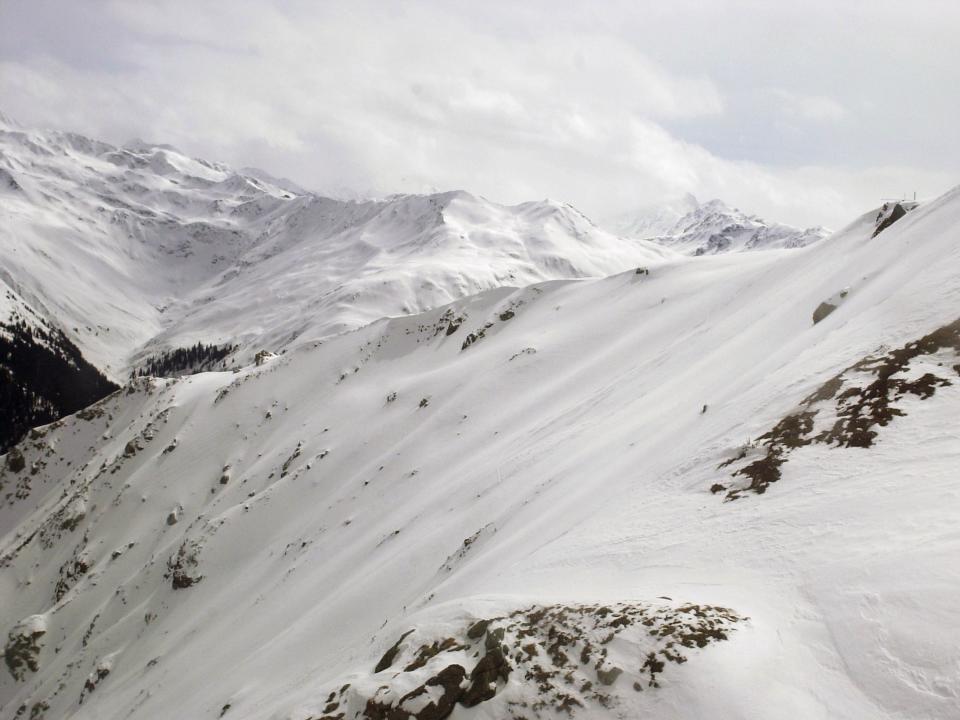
662 493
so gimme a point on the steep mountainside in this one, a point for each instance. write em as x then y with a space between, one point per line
132 255
695 228
43 376
138 249
664 493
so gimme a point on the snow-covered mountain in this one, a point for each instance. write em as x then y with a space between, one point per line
721 486
136 254
656 220
695 228
140 247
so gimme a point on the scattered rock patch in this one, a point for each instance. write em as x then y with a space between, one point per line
22 651
849 409
534 662
182 567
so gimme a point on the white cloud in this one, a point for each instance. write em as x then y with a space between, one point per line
816 108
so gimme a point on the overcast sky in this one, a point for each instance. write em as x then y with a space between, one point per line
806 112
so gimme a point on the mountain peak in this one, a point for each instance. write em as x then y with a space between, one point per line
204 236
142 146
711 227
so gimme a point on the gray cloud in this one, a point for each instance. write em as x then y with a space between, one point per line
807 114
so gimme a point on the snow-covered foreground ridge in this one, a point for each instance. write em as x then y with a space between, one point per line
658 494
138 249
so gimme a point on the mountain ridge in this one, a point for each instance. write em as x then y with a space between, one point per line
712 227
214 223
138 253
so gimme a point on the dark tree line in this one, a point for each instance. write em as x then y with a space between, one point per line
43 376
180 361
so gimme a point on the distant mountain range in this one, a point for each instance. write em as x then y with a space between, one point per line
139 256
140 248
132 255
696 228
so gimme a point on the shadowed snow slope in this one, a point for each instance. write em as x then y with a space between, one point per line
520 504
138 249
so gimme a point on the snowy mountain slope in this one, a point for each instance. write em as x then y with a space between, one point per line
322 535
43 376
695 228
314 274
105 239
140 249
141 256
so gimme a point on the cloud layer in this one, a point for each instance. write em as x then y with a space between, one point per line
805 117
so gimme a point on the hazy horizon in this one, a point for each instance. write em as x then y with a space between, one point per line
806 116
